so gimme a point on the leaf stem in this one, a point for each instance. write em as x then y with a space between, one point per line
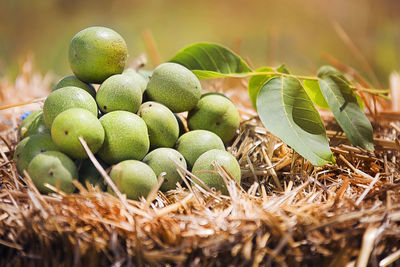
373 91
285 75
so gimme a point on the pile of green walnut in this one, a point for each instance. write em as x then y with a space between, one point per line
130 124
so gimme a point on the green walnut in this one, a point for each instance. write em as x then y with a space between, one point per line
217 114
119 92
72 80
126 137
96 53
18 150
174 86
53 168
214 93
205 170
66 98
194 143
163 160
73 123
138 79
33 124
133 178
161 123
34 145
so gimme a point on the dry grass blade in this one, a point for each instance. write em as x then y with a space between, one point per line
273 173
369 238
364 194
390 259
153 193
22 103
353 48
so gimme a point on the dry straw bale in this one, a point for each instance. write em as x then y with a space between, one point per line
286 212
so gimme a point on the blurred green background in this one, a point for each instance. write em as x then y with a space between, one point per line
295 32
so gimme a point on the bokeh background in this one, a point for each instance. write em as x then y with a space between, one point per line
296 32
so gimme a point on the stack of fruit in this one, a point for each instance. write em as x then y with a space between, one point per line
120 130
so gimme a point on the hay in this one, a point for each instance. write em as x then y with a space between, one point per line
286 212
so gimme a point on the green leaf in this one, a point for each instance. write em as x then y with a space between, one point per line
283 69
256 82
330 70
288 112
314 92
208 61
343 103
360 101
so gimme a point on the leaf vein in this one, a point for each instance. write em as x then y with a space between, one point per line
195 59
211 59
226 59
